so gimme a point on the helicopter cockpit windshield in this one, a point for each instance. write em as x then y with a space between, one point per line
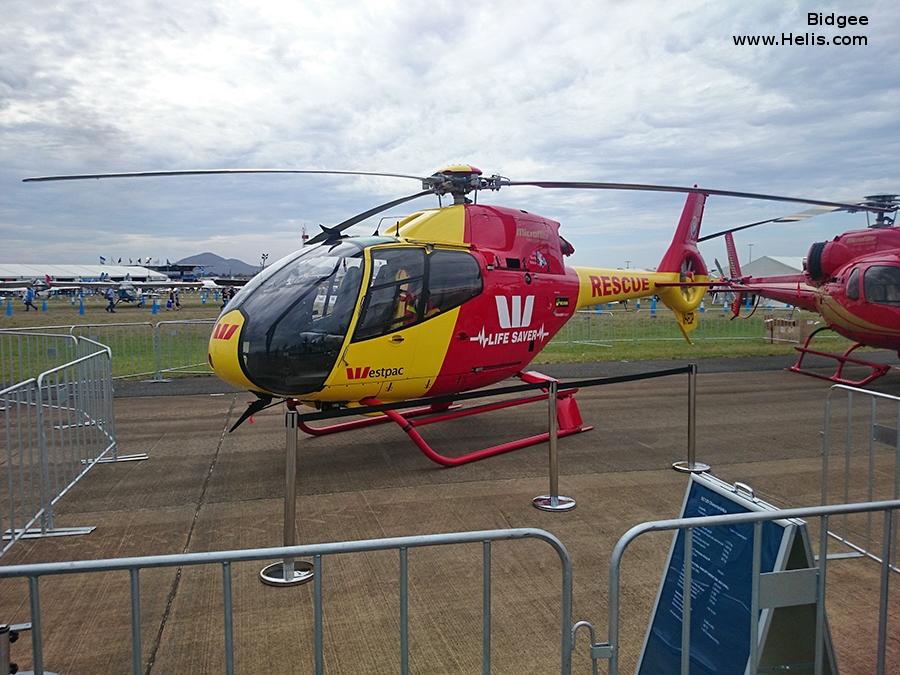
296 317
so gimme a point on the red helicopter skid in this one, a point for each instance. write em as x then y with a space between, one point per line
371 421
878 369
567 415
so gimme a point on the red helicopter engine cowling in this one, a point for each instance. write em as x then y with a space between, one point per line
826 258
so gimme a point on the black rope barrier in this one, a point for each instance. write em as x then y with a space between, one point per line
497 391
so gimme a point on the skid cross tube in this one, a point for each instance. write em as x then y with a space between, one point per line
371 421
877 369
409 427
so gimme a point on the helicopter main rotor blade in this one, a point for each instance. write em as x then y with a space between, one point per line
640 187
209 172
331 232
793 218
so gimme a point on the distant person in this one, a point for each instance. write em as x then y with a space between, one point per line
110 300
170 303
176 296
29 300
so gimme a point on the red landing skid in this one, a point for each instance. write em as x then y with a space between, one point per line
567 414
877 369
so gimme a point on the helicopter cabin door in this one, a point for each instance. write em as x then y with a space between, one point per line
382 353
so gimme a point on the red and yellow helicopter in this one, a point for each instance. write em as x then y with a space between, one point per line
447 300
852 281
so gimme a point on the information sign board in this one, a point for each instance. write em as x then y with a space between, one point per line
721 587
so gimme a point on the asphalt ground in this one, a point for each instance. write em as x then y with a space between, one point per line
204 490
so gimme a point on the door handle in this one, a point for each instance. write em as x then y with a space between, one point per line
397 338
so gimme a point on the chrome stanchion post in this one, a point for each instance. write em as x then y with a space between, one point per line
554 501
289 572
691 465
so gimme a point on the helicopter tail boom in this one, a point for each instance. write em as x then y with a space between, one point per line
680 279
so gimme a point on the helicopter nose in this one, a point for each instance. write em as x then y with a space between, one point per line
223 352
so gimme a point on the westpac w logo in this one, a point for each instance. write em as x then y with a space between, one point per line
512 313
224 331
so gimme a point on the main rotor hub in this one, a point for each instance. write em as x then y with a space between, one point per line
889 202
459 180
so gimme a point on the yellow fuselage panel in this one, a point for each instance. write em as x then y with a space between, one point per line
224 350
439 226
399 365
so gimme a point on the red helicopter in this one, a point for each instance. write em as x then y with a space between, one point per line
446 300
852 281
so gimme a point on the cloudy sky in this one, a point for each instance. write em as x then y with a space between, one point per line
632 92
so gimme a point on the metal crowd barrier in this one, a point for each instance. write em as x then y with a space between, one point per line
181 347
140 349
655 323
599 651
157 350
55 428
317 552
24 353
861 460
610 650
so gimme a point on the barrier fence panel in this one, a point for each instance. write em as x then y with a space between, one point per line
21 496
139 349
861 461
226 559
55 428
649 323
181 347
132 345
815 593
166 348
24 353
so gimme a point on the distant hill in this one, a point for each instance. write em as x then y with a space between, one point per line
216 265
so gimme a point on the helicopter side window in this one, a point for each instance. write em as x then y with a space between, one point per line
853 285
453 278
882 284
394 298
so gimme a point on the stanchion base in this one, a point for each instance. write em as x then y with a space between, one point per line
38 533
696 467
273 575
558 503
139 457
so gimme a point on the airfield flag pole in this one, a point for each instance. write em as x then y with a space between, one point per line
289 572
554 501
691 465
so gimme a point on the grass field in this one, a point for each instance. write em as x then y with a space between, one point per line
174 342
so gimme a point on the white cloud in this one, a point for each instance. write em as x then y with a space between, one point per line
639 91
